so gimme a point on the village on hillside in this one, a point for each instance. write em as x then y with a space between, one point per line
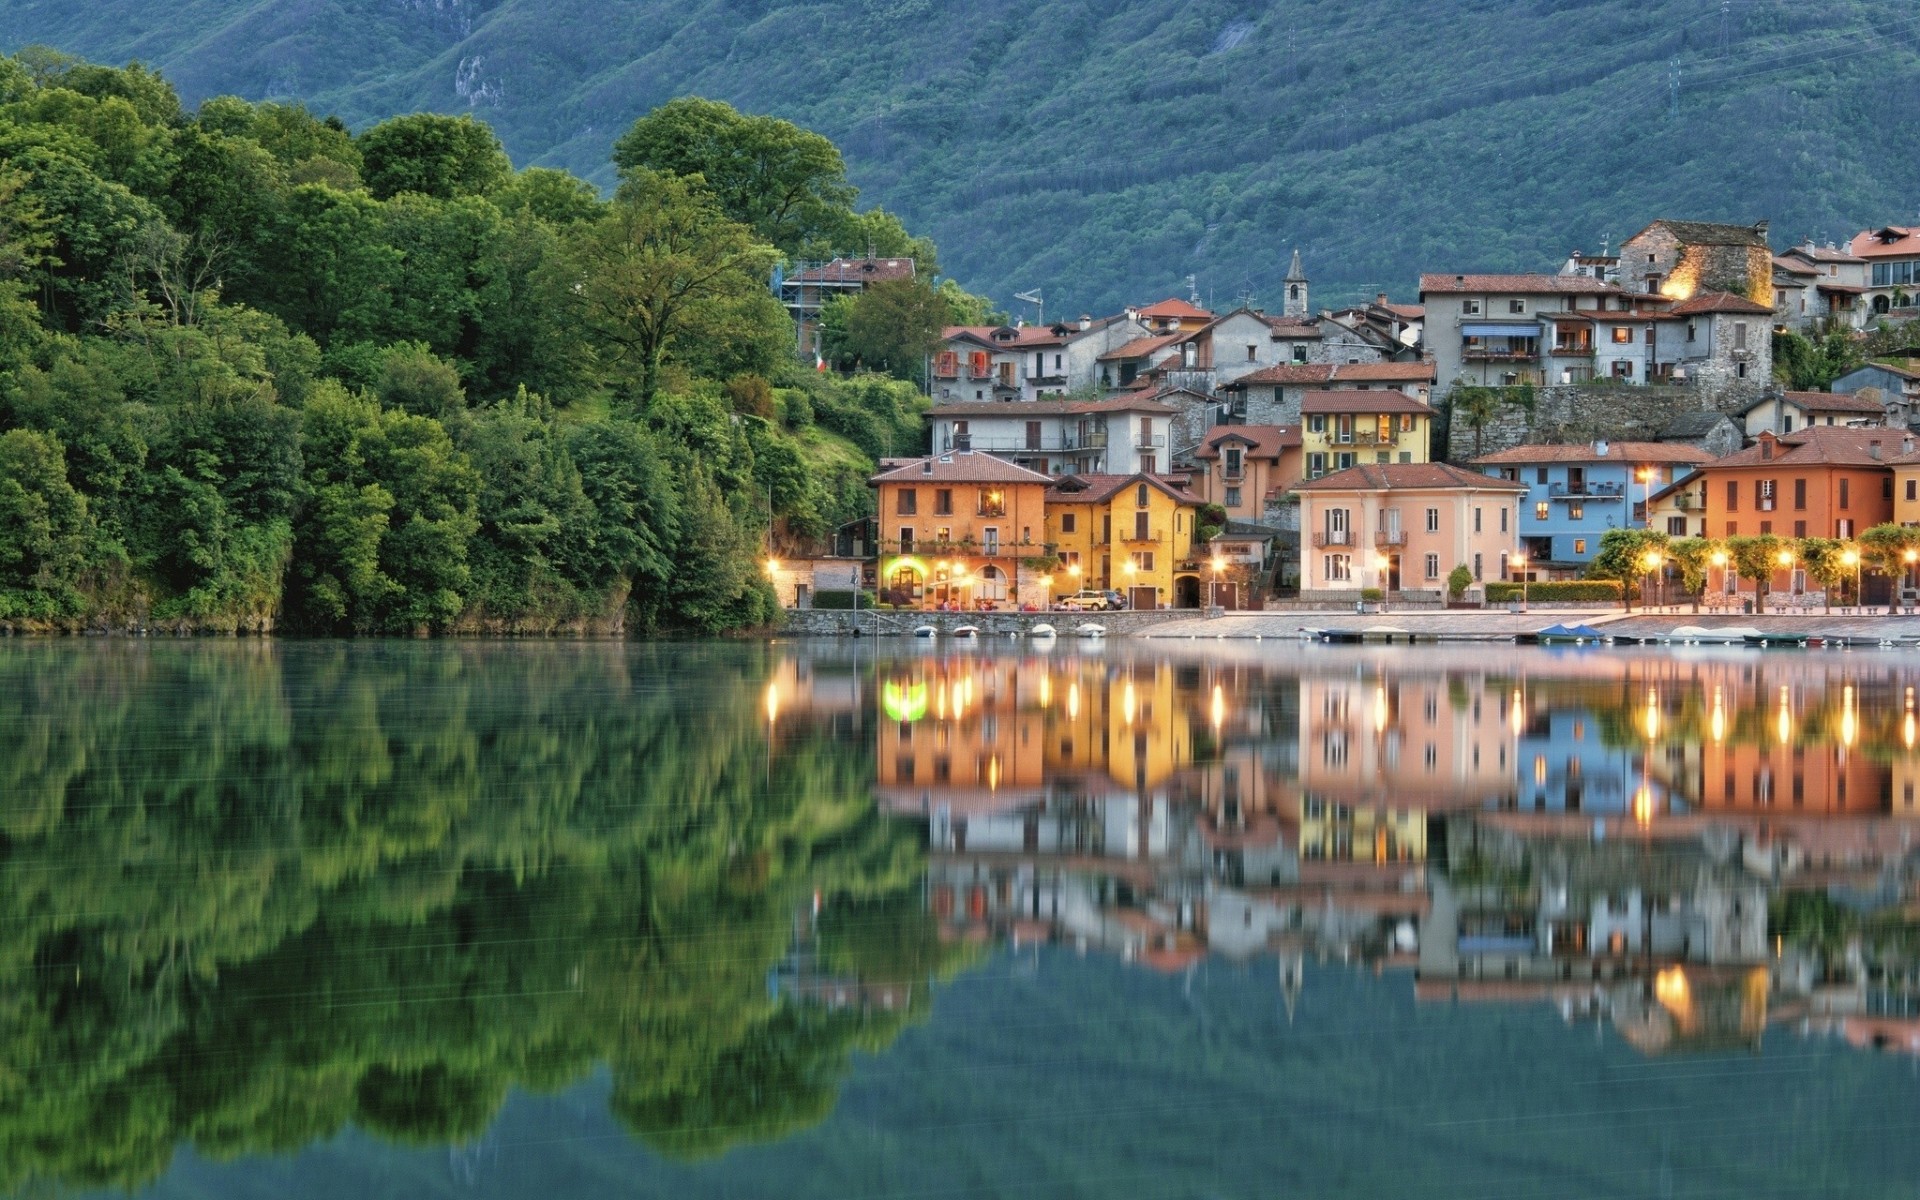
1491 431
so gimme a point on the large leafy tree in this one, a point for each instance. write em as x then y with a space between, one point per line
892 326
788 184
434 155
662 262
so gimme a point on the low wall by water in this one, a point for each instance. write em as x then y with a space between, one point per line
816 622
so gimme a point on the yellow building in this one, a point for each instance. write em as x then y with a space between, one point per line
1680 508
1130 533
1347 428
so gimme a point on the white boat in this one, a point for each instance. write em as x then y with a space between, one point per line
1092 630
967 632
1042 630
926 631
1706 636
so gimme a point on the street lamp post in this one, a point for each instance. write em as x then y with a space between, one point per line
1645 475
1850 557
1651 562
1910 557
1219 564
1719 561
1519 563
1786 564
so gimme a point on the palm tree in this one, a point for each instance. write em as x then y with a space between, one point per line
1475 406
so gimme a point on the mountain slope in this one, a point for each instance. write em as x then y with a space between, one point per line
1104 152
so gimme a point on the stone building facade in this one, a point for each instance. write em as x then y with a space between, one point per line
1679 259
1587 413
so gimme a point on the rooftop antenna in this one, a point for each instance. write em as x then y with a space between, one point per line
1039 306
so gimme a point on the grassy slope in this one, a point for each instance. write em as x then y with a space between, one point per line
1104 151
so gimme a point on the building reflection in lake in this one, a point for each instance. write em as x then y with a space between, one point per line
1605 832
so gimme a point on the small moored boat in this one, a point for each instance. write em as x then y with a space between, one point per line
966 632
1092 630
1042 630
926 631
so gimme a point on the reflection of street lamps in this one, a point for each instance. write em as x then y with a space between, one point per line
1650 562
1519 564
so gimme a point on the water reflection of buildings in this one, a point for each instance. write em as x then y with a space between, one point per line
1601 832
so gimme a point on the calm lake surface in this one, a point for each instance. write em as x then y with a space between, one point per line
546 920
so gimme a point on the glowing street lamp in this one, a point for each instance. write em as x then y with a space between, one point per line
1785 559
1650 563
1519 563
1850 557
1718 559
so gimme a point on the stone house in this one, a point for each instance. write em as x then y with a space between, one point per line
1391 329
1344 427
961 528
1025 362
1575 493
1725 345
1132 533
1122 434
1715 432
1680 259
1896 382
1820 286
1403 527
1493 330
1785 412
1272 396
1892 257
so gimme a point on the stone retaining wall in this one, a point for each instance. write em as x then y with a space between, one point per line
1591 412
815 622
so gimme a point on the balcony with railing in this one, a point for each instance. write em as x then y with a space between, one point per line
1332 538
1149 441
1045 443
1366 437
1390 537
1135 537
1586 491
1493 354
963 548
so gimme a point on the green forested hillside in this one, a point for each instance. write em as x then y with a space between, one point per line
1103 152
257 372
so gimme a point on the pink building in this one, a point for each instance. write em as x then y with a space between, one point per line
1402 528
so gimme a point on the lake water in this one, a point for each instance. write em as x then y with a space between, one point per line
546 920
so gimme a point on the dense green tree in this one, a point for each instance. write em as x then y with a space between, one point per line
662 262
786 183
43 524
434 155
893 326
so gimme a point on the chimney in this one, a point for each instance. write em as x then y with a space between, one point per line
1766 446
1873 450
926 466
1086 321
1380 299
963 442
1600 449
1460 281
1906 445
1760 227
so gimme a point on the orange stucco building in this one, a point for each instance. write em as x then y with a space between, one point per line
1823 481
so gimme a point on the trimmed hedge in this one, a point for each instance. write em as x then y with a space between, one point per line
841 599
1602 591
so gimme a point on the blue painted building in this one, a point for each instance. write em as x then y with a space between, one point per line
1575 493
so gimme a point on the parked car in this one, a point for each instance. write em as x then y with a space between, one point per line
1102 600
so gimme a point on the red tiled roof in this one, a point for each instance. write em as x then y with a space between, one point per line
1407 312
1889 241
961 467
1720 302
1143 347
855 270
1836 402
1266 441
1793 267
1380 372
1536 283
1373 477
1173 306
1588 452
1094 489
1818 445
1023 335
1294 327
1356 400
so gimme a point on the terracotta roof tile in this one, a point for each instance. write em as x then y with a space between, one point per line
1406 476
1588 452
988 409
855 270
1837 402
1175 307
1818 445
1889 241
1144 347
1720 302
1266 441
1358 400
1095 489
1533 283
961 467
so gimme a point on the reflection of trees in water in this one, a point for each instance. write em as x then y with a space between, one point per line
257 892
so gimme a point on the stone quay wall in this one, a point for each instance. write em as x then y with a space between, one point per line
817 622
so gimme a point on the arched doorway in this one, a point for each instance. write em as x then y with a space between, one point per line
1186 591
993 584
905 583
